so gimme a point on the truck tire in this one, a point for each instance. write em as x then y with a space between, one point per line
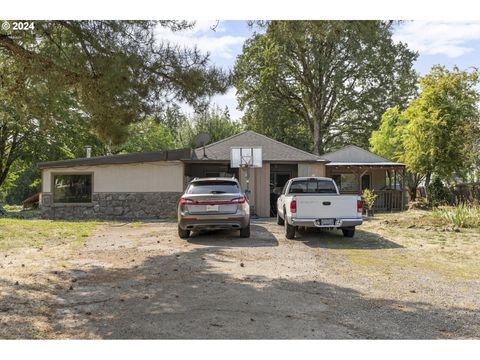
183 234
348 232
289 230
245 232
280 221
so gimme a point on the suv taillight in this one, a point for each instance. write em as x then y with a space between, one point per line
359 206
239 200
293 206
184 201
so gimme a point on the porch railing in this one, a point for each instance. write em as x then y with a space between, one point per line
389 200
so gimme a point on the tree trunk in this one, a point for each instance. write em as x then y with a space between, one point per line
412 191
317 138
427 179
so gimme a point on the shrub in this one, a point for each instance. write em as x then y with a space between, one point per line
463 216
368 197
437 193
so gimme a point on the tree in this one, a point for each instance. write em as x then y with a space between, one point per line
118 71
335 78
389 141
438 132
443 123
100 76
214 121
148 135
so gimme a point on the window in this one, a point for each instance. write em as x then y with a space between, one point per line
72 188
346 182
312 186
213 187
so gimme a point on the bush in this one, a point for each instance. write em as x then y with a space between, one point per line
368 197
463 216
437 193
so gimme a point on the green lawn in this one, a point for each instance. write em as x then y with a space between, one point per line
17 233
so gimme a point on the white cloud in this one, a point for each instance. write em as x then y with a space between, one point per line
438 38
204 38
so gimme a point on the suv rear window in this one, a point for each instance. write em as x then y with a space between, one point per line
213 187
312 186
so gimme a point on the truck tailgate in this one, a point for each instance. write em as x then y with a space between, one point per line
326 206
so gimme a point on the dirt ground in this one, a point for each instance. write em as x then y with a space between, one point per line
139 280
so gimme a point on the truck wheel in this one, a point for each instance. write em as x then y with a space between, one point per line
289 230
183 234
245 232
280 221
348 232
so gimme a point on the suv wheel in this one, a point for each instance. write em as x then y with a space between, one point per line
280 221
289 230
348 232
245 232
183 234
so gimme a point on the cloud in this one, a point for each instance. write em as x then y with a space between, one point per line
215 42
438 38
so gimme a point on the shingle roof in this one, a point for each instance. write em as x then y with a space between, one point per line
178 154
272 150
354 155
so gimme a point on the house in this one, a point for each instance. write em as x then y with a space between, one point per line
148 185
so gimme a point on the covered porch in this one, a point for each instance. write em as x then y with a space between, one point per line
385 180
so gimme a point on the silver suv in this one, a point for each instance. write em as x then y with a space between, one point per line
213 203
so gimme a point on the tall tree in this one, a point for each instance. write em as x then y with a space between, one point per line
109 74
148 135
443 123
213 121
335 77
389 141
120 73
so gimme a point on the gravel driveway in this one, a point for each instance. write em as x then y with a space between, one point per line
142 281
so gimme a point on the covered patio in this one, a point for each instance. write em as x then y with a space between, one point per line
355 169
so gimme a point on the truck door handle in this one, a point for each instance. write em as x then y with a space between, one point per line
326 203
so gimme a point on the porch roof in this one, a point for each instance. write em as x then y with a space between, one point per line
354 156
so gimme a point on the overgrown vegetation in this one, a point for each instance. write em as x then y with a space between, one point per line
462 216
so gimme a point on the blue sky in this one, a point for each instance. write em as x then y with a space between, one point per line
437 42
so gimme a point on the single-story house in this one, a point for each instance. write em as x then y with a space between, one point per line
148 185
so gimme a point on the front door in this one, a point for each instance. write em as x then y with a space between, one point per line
366 183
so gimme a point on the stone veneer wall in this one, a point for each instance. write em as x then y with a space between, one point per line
115 206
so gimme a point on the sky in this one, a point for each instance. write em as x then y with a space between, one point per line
437 42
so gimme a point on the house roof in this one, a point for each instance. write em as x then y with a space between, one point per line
272 150
178 154
356 156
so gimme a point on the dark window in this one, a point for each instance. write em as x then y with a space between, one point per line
72 188
213 187
312 186
338 180
365 182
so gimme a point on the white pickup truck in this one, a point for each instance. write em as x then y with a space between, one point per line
316 202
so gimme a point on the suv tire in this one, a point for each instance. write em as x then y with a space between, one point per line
245 232
183 234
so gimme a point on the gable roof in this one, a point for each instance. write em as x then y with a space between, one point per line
272 150
354 155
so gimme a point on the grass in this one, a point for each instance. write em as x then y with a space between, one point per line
463 216
18 233
426 245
